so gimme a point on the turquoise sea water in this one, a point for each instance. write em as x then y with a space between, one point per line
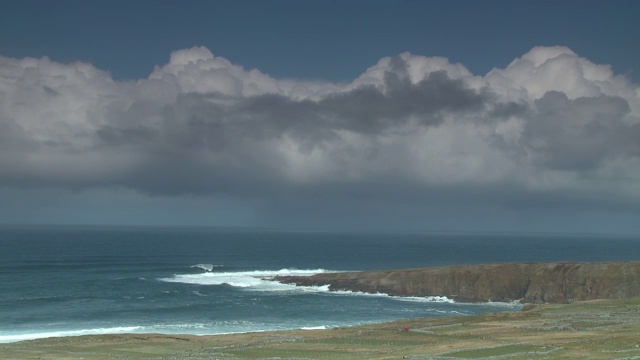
64 281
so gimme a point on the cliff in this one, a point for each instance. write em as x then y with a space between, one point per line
524 282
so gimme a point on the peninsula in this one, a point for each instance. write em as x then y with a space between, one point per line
533 283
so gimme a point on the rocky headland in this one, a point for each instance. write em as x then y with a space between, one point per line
533 283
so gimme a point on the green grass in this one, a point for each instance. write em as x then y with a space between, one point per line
523 349
608 330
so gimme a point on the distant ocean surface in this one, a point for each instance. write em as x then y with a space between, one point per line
66 281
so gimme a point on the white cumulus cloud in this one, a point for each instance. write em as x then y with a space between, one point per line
551 124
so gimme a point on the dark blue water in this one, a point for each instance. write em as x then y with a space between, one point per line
60 281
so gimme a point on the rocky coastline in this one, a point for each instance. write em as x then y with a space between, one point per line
529 283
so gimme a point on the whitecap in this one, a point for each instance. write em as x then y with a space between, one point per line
259 280
321 327
428 299
197 292
206 267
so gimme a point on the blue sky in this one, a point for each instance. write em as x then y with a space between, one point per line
331 40
403 115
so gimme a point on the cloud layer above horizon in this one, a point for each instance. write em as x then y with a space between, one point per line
550 128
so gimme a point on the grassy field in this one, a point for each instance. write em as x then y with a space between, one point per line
604 329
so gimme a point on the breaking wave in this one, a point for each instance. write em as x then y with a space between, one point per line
263 280
206 267
62 333
425 299
193 328
260 280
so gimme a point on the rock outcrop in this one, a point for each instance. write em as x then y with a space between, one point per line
524 282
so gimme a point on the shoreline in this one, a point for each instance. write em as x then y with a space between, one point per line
601 324
509 284
131 330
528 283
607 328
511 306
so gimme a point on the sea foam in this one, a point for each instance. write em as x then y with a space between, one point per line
257 280
263 280
62 333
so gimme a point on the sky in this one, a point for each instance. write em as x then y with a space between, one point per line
494 116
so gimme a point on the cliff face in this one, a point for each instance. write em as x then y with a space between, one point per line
528 282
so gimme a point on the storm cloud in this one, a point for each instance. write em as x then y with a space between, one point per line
410 128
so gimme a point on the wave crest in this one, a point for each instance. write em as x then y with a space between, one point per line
256 280
206 267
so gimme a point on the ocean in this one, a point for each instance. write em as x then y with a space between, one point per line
67 281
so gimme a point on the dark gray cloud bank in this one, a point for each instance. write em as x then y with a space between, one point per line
414 140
